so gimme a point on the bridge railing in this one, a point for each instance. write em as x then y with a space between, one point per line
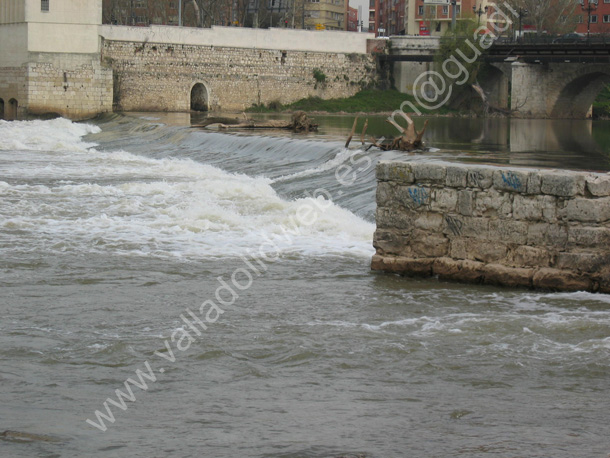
547 39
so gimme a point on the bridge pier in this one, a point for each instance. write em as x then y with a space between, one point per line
557 90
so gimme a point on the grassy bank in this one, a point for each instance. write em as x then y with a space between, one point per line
367 101
601 105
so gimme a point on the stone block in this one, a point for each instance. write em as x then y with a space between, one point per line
562 184
598 185
460 270
465 202
428 221
429 172
460 247
589 236
468 227
586 210
546 234
477 250
527 208
510 180
385 193
528 256
394 218
457 176
549 207
561 280
391 242
444 200
508 231
487 252
415 197
402 265
534 183
499 274
399 172
480 177
493 203
582 262
428 245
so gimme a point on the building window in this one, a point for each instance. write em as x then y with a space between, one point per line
594 19
420 10
579 19
606 1
44 5
458 9
606 18
445 9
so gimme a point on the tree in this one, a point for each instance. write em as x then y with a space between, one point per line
550 16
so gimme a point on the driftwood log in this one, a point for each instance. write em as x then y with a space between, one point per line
299 122
410 139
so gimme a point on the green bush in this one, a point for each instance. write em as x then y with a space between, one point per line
319 75
601 105
367 101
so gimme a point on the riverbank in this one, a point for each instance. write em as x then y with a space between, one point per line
385 102
370 101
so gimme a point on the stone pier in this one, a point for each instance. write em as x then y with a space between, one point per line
547 229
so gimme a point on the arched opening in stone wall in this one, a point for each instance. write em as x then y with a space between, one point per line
1 109
576 97
199 98
11 112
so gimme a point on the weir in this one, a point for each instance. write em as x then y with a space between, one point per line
545 229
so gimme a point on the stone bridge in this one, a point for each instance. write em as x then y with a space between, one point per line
540 82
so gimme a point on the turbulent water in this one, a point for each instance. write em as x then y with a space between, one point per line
112 232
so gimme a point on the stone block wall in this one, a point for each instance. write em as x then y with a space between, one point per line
545 229
77 87
159 77
12 86
73 86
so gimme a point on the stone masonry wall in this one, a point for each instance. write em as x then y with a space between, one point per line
156 76
545 229
12 86
75 86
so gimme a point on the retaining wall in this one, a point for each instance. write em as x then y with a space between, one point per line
545 229
153 76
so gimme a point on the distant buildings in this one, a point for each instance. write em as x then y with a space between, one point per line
306 14
352 19
599 19
387 17
427 18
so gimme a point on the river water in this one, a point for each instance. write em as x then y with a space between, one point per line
112 230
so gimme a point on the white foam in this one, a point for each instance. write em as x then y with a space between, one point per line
333 163
118 202
55 135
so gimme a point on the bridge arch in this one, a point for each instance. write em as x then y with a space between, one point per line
13 108
577 96
200 97
1 108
